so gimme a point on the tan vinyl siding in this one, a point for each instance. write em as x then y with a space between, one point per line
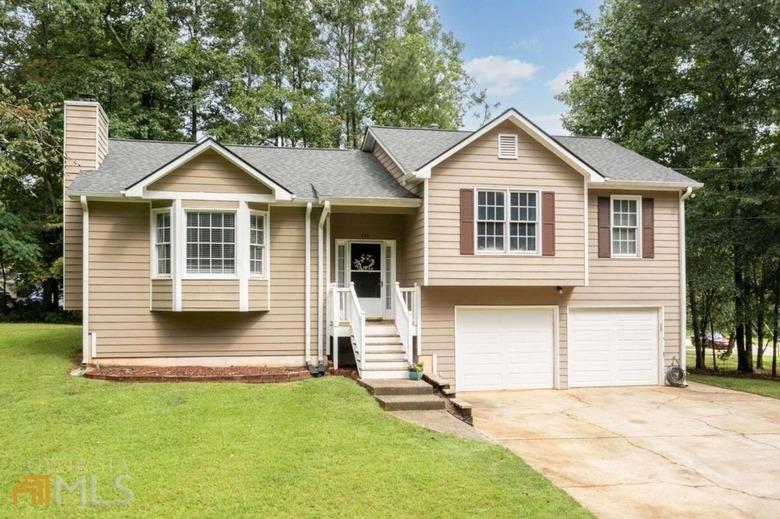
162 295
209 173
536 168
613 283
215 295
641 281
119 295
412 254
81 153
258 295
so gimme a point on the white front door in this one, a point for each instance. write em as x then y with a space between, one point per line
504 348
613 347
366 272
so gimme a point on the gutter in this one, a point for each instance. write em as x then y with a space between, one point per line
307 282
320 284
687 193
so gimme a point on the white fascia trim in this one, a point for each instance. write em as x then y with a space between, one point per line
526 125
683 279
137 190
86 349
646 186
307 283
210 197
242 249
372 202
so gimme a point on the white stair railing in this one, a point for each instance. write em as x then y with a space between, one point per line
403 321
357 320
411 297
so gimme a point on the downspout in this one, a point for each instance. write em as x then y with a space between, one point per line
85 346
683 281
320 299
307 289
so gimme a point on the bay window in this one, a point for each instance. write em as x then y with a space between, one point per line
162 243
257 245
211 242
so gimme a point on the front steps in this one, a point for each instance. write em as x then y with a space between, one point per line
384 352
404 395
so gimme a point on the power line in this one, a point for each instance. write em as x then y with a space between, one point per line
746 168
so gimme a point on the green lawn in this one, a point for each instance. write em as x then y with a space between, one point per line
308 449
729 364
769 388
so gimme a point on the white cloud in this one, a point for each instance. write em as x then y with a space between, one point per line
559 83
501 76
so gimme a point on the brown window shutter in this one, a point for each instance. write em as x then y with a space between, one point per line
467 221
648 228
604 232
548 223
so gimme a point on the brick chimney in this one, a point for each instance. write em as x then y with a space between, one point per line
85 148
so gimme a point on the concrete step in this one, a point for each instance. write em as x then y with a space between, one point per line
410 402
397 387
368 374
387 365
383 339
372 356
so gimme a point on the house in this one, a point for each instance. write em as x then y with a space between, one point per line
502 258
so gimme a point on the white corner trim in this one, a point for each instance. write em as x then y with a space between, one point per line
683 279
177 252
586 219
425 232
137 189
532 130
86 349
307 284
242 250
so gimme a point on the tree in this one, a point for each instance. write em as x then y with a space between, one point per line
696 86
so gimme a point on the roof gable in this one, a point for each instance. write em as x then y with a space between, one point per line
138 188
515 117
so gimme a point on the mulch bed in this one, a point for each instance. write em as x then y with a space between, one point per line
760 375
250 374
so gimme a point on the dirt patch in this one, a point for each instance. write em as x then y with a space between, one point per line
250 374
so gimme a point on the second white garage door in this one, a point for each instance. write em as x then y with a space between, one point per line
504 348
613 347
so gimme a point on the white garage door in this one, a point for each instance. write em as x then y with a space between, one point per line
504 348
615 347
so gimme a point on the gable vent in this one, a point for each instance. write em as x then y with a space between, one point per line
507 146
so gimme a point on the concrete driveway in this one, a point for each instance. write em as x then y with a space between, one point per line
645 451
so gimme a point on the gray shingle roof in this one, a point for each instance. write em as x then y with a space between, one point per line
306 172
618 163
413 147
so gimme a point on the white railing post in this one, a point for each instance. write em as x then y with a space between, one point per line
417 314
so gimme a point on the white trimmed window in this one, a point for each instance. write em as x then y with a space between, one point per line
523 221
162 242
625 226
491 216
257 244
211 242
515 230
507 146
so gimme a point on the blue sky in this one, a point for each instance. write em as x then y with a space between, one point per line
522 51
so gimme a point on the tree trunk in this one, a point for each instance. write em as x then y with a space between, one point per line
697 331
739 310
777 318
760 322
5 293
